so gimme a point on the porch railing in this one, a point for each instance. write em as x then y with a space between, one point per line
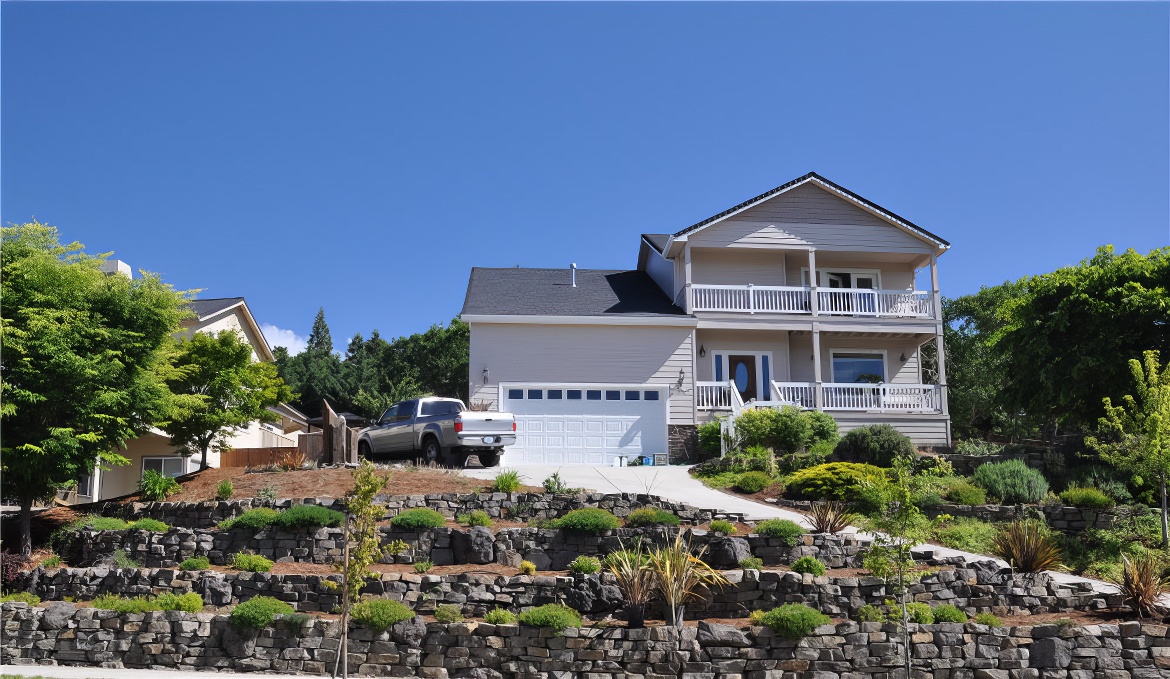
770 299
862 302
713 395
883 397
798 393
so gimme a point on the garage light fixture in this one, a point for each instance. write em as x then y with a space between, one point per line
485 375
702 350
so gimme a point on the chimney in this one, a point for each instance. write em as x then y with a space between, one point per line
573 273
117 266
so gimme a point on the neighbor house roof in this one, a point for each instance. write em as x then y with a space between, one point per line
548 292
657 241
210 307
206 309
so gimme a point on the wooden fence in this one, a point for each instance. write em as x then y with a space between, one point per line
253 457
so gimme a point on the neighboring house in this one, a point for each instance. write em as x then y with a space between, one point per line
805 295
153 450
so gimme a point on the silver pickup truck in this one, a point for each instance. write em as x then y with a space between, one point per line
439 430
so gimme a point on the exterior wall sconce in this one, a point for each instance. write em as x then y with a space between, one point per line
902 358
682 377
702 350
485 375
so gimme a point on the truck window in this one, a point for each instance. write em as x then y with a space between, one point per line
390 414
406 409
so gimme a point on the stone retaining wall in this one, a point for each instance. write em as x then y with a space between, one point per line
849 650
977 588
516 506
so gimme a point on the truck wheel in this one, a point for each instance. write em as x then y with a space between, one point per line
363 450
490 459
432 452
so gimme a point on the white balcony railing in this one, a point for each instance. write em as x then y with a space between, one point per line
881 397
796 393
765 299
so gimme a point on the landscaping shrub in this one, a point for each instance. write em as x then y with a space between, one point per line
122 560
123 605
1105 479
585 565
52 561
100 523
650 516
949 613
506 482
267 493
978 448
251 562
1143 582
475 518
527 568
967 534
920 613
1012 482
378 614
225 490
259 612
788 531
253 519
190 602
556 485
871 613
794 620
965 493
195 563
11 565
832 481
553 616
830 516
754 428
150 526
588 520
1028 547
423 566
751 563
752 482
448 613
757 617
876 444
500 616
723 527
988 619
154 487
710 438
822 430
30 599
808 564
1086 497
308 516
421 518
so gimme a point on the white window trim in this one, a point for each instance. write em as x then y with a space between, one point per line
760 386
839 350
163 457
822 270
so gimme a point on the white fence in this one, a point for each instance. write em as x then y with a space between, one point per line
753 299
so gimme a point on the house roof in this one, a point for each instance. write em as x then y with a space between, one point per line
657 241
826 184
209 307
548 292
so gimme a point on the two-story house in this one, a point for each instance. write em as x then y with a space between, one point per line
806 295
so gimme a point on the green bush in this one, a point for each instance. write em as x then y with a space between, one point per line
722 527
150 526
877 444
195 563
752 482
251 562
788 531
710 438
920 613
966 494
832 481
787 430
527 568
299 517
500 616
154 487
554 616
871 613
967 534
476 518
555 484
1012 482
588 520
190 602
822 429
808 564
421 518
650 516
100 523
124 606
122 560
988 619
1105 479
253 519
1086 497
949 613
26 597
52 561
378 614
225 490
977 448
794 620
259 612
423 566
751 563
507 482
448 613
585 565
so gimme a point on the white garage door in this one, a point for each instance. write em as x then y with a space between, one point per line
584 423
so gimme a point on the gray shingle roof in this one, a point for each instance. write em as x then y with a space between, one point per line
207 307
657 240
547 292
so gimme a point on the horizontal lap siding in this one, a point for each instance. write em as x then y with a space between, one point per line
662 271
722 267
727 342
922 431
582 354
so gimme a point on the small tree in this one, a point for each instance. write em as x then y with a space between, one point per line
218 390
1135 436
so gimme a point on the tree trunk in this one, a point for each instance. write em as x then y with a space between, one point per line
1165 527
26 525
203 458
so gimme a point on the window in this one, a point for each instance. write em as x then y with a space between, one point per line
535 394
652 396
613 395
850 367
633 395
574 394
555 394
85 485
406 410
440 408
389 415
593 394
167 466
516 394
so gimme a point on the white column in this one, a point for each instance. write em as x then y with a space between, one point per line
812 281
935 297
942 370
818 401
687 270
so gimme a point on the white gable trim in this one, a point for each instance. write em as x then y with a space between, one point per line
264 350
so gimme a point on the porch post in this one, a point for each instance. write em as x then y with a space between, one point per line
812 280
818 401
935 297
942 371
687 260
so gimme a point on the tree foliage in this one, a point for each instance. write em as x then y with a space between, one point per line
85 362
218 390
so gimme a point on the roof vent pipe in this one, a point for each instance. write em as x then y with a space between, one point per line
573 273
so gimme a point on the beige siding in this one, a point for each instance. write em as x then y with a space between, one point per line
233 320
731 341
737 267
897 370
809 215
582 354
923 430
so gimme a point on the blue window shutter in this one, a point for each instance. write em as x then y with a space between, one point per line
767 378
718 368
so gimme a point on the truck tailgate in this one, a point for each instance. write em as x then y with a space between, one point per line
486 422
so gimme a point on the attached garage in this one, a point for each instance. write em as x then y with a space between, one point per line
585 423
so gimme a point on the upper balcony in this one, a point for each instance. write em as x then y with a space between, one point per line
772 299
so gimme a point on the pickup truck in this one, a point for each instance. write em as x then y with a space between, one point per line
439 430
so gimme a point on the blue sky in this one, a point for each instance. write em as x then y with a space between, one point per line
363 157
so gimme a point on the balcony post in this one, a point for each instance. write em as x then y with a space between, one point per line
687 260
818 400
942 371
751 300
812 279
935 298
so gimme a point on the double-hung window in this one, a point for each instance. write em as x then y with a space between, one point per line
167 466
